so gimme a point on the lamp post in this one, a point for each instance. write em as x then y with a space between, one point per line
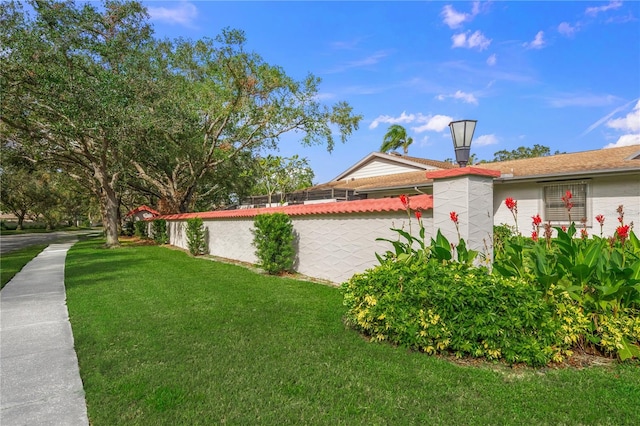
462 133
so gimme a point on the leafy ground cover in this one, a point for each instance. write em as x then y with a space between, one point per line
164 338
11 263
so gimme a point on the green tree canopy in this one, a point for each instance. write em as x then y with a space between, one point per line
276 174
523 152
89 89
215 102
396 137
73 82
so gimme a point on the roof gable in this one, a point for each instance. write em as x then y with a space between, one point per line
380 164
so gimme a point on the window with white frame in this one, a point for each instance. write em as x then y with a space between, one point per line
555 209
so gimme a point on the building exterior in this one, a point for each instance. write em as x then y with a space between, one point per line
599 180
336 239
142 213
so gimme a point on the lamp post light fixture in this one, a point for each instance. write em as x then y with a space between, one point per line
462 133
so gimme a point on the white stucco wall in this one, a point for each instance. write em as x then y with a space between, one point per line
604 195
334 247
471 197
329 247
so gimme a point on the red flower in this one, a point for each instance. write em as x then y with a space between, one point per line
620 219
564 228
600 219
537 220
454 217
567 200
404 200
623 232
418 214
511 203
534 236
583 233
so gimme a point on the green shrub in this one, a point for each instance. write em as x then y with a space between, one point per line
9 226
140 229
438 307
128 229
196 240
159 230
600 275
273 239
545 297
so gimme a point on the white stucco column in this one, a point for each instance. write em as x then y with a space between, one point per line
467 191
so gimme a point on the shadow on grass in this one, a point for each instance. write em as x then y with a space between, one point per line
94 264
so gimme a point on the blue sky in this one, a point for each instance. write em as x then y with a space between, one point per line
561 74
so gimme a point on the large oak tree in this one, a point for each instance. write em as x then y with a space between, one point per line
224 103
70 81
88 88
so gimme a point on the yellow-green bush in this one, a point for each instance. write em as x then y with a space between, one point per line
437 306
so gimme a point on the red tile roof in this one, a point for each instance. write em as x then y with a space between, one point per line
420 202
143 209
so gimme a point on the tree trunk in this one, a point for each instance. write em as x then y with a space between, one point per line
20 221
108 208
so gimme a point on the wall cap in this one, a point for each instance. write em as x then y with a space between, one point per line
373 205
463 171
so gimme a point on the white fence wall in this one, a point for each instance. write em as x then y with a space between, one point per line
332 247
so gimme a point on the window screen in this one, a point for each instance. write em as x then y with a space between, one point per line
554 207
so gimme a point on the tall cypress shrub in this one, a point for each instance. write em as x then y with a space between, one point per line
273 239
196 240
159 229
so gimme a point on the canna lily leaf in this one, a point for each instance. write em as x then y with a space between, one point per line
592 254
629 350
635 243
582 272
635 270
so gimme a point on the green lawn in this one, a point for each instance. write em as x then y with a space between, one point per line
11 263
165 339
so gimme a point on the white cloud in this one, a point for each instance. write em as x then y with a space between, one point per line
593 11
183 14
346 44
580 99
566 29
436 123
607 117
475 40
403 118
629 123
625 140
369 60
453 18
491 60
485 140
465 97
537 43
324 96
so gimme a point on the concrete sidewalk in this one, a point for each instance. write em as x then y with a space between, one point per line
39 376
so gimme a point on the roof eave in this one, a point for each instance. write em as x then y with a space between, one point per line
426 184
565 175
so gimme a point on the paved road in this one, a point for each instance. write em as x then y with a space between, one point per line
14 242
